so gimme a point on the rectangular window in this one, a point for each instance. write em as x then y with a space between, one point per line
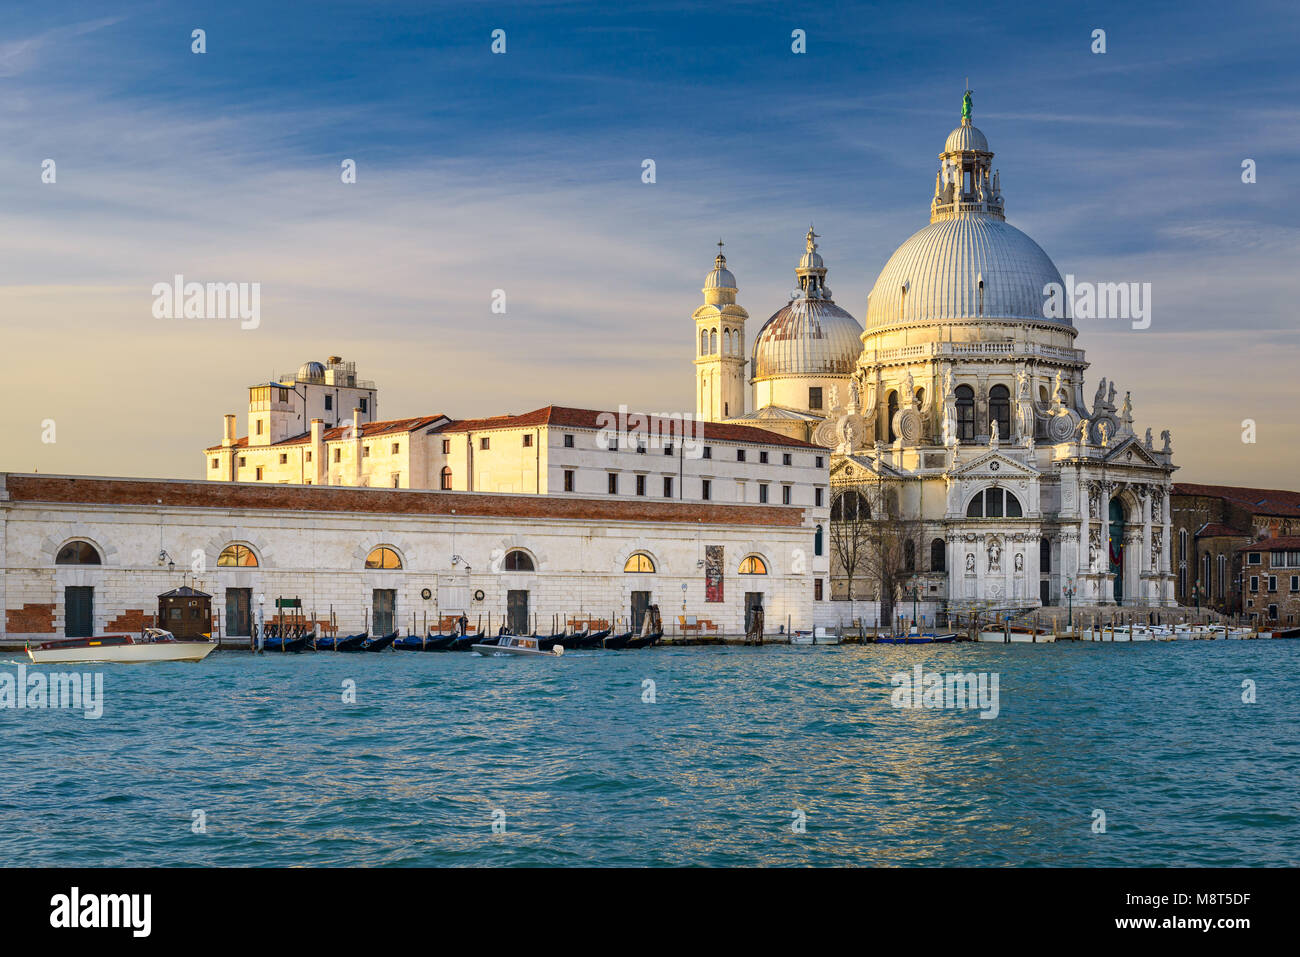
815 397
258 473
819 461
365 451
786 491
397 480
568 480
613 483
817 589
446 446
446 480
1272 583
640 448
613 444
1295 582
1254 583
329 403
568 441
216 463
284 459
308 456
668 448
740 455
243 461
363 406
762 494
259 426
787 459
706 489
1272 612
762 458
1255 558
484 444
397 447
528 441
708 451
817 497
338 455
640 485
668 486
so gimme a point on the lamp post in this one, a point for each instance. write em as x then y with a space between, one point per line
1196 595
1069 591
915 597
261 623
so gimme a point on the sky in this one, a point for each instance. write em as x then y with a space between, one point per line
522 172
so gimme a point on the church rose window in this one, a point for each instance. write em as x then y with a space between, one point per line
965 413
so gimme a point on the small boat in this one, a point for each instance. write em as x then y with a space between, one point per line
379 643
921 639
550 641
615 642
432 642
523 645
154 645
348 643
645 641
818 636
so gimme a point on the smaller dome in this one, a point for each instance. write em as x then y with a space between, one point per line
721 277
311 370
966 137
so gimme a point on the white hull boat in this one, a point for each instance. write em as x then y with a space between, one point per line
522 645
818 636
1017 637
154 645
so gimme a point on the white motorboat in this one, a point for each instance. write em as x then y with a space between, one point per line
1018 636
818 636
154 645
517 645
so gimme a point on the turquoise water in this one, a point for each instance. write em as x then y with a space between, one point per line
1154 734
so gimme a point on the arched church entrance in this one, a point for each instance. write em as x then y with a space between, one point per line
1116 548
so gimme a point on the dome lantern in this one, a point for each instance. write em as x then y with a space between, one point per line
966 182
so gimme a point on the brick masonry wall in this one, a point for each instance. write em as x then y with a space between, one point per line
30 619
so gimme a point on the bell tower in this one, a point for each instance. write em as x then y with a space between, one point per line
719 347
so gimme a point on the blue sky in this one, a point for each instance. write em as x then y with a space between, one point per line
522 172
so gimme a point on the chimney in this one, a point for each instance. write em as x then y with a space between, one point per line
320 470
230 436
356 445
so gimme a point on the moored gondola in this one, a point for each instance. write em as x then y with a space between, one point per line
615 642
278 645
547 642
379 642
348 643
645 641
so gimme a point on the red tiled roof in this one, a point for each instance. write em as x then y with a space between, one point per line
1261 501
368 430
173 493
564 417
1219 530
1285 543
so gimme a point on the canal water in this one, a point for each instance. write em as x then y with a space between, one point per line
691 756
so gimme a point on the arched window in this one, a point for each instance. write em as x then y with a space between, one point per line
891 408
938 556
1000 410
817 541
446 478
920 398
704 342
850 507
753 565
78 553
383 557
237 556
1044 556
639 563
909 555
965 413
713 342
994 503
518 561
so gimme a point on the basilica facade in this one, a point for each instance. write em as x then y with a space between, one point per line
959 415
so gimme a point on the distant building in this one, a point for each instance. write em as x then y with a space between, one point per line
1211 524
1270 575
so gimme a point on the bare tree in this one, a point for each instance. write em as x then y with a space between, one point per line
873 542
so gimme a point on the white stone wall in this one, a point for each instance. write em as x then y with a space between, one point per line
320 557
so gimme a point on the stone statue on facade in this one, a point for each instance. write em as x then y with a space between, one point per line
1020 562
995 554
993 433
970 563
1164 434
1147 441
